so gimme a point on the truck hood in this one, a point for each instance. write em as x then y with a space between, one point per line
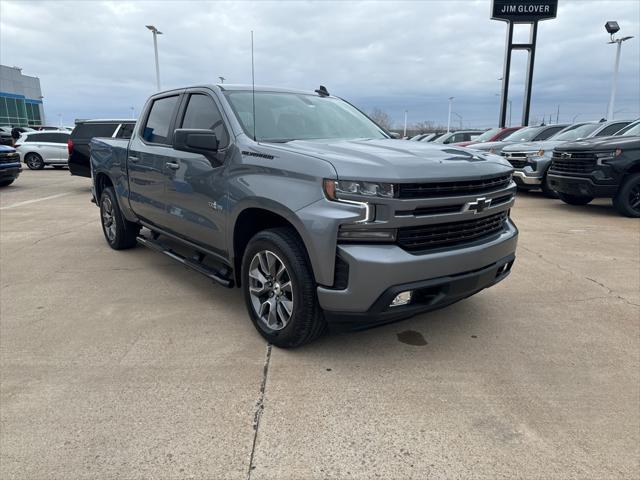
487 146
533 146
603 143
388 160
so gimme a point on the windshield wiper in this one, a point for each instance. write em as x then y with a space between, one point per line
277 140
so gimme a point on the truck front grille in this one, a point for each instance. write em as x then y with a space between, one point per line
427 237
516 159
445 189
573 162
9 158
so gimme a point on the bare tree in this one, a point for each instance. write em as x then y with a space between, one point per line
381 117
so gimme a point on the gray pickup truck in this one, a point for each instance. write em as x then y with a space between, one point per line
307 205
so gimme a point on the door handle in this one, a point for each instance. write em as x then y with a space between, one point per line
133 159
172 165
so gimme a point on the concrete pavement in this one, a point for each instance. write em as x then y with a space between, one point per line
127 365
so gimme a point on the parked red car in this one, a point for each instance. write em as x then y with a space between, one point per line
491 135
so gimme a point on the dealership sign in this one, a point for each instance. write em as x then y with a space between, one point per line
523 11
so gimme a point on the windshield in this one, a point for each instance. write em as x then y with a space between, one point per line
630 130
525 134
574 133
283 117
488 135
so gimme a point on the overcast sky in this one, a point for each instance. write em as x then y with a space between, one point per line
95 59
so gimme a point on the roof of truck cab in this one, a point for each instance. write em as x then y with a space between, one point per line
107 120
261 88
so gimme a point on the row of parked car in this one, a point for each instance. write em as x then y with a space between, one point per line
575 162
42 146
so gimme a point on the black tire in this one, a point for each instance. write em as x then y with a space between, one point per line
546 188
306 320
6 183
34 161
119 233
574 199
627 200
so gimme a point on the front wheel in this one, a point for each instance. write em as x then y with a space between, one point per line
119 233
627 200
280 290
34 161
574 199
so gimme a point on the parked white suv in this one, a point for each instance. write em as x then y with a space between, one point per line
38 149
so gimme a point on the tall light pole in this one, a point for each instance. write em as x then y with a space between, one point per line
611 28
405 124
449 117
156 32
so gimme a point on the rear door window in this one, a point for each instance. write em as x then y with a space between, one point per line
91 130
126 130
59 137
156 130
548 133
611 129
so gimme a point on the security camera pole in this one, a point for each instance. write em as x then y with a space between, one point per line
156 32
612 28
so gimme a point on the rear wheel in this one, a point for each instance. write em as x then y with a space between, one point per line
34 161
280 290
627 200
6 183
574 199
119 233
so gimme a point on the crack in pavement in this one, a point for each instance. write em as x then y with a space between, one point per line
259 408
571 272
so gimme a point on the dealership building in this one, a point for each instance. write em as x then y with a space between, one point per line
20 98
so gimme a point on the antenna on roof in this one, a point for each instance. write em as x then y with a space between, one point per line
322 91
253 89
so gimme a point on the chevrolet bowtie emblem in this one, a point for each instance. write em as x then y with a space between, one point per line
480 205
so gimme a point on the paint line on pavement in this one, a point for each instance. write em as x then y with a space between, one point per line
35 200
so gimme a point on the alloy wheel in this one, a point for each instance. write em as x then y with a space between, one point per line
108 219
271 290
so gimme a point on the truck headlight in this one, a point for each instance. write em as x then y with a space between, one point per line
335 189
539 153
603 157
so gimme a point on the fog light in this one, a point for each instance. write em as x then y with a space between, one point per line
402 299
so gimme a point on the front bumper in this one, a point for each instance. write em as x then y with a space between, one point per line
428 295
585 186
376 270
523 178
10 170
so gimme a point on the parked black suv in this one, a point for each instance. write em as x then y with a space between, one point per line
600 167
82 134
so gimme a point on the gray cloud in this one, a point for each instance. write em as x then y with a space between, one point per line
95 59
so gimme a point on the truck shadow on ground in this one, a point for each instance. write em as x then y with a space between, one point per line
598 206
460 322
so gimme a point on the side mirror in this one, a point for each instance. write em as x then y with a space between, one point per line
195 140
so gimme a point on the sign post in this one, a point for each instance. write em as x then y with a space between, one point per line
520 12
